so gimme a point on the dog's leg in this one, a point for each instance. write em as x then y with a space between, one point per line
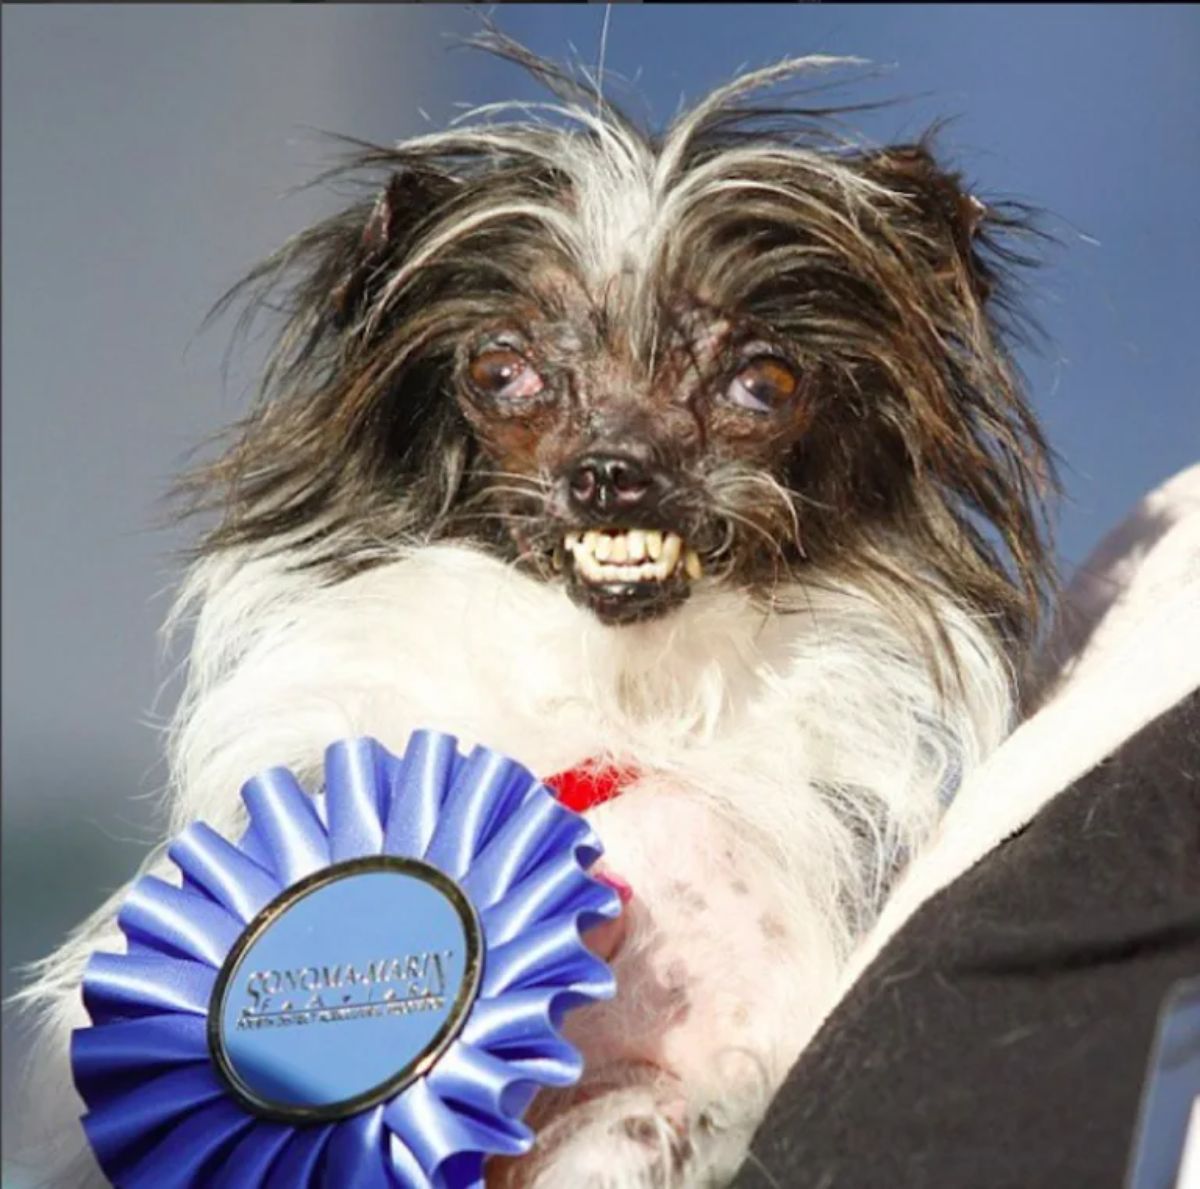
637 1131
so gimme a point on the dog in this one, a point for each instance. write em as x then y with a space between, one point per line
699 457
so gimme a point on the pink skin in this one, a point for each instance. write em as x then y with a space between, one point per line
605 939
705 961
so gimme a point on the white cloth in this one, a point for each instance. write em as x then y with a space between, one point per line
1125 648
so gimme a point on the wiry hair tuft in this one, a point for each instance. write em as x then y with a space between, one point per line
922 465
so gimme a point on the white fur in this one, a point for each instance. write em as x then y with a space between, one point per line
625 212
761 738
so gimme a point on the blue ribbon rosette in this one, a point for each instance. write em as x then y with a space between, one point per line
365 992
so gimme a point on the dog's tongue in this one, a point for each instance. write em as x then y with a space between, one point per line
590 784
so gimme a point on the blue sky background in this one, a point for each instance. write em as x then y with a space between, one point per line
145 152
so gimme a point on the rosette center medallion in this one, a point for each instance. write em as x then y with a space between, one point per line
345 989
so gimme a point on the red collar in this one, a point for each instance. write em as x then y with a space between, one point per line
590 784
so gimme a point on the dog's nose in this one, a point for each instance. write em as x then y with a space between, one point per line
607 482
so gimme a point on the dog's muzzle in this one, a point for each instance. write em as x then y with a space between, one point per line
626 562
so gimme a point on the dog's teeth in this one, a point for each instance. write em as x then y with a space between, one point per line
632 555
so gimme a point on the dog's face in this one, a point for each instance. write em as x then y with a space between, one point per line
609 465
632 364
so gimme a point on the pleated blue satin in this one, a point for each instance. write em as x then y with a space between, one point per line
158 1115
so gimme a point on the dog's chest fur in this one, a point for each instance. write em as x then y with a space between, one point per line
785 762
761 717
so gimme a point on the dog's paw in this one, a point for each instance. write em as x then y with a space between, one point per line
630 1138
636 1137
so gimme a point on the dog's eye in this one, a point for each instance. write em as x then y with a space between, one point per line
763 385
504 374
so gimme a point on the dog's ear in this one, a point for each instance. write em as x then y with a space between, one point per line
406 201
941 203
